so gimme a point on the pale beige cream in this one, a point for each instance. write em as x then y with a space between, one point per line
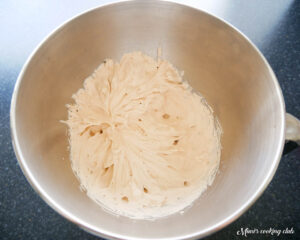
142 143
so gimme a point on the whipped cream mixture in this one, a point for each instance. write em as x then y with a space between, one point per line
142 143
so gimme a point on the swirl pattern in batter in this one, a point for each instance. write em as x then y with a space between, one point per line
142 143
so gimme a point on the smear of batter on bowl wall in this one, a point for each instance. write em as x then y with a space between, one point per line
142 143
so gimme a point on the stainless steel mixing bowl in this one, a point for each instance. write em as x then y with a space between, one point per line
218 61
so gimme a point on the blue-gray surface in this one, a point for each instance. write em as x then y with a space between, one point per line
274 26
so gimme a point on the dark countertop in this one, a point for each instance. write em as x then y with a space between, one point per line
274 26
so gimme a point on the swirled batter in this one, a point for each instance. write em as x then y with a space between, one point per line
142 143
